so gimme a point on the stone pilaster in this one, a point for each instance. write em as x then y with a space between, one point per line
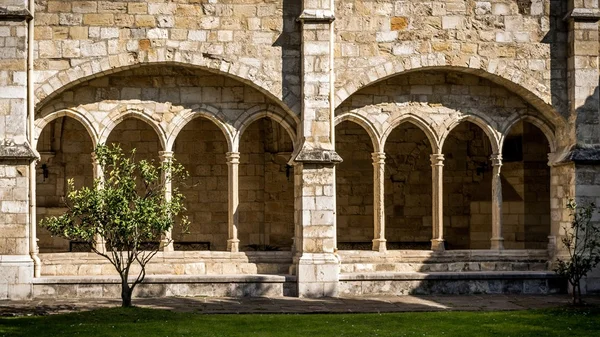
437 211
18 245
166 242
582 20
316 265
100 243
497 241
233 164
379 241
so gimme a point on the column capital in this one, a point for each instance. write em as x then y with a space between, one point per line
165 155
437 159
94 157
378 157
233 157
496 159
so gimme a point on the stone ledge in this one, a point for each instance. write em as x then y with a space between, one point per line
14 13
488 275
583 14
579 154
316 15
18 152
169 279
318 156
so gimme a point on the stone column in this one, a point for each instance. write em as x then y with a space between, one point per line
316 265
497 239
379 241
437 195
166 242
233 163
99 176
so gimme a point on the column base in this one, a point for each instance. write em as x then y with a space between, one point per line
318 275
16 280
438 245
233 245
497 243
379 245
167 246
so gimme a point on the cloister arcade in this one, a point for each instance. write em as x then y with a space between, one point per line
433 160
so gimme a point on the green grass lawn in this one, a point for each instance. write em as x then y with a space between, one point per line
150 322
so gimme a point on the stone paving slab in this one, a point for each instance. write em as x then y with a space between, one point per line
292 305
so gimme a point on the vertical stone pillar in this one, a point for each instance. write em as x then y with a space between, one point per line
233 163
98 176
497 241
18 241
437 195
582 70
583 117
316 265
379 241
166 242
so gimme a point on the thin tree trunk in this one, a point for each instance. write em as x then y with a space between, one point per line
126 293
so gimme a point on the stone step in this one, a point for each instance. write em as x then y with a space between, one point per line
488 282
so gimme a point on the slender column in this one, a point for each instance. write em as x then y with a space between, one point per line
437 211
166 242
497 239
379 241
233 163
98 175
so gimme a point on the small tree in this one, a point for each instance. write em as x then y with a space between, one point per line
582 241
127 209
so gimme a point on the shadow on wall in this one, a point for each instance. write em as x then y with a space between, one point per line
289 41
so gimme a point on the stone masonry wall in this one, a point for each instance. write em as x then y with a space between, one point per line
513 40
87 34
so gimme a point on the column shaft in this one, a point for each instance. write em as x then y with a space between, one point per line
233 163
166 242
100 244
379 242
497 241
437 195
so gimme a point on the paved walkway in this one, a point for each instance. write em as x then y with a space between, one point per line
288 305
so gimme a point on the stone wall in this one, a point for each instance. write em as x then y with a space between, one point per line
509 40
94 36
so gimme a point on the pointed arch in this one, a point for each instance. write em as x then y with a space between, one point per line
365 124
111 122
41 123
255 113
203 111
492 134
539 123
418 122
